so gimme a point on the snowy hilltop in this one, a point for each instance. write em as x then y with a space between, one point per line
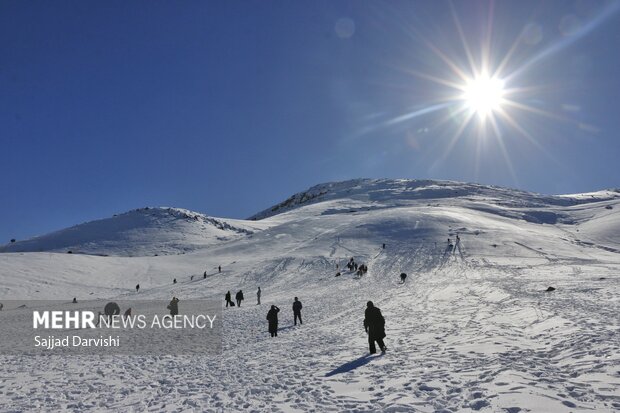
471 328
165 231
143 231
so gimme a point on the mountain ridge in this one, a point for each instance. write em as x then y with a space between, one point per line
166 230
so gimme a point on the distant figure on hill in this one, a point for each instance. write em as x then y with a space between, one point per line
219 268
174 281
239 297
204 275
272 318
403 277
374 324
1 306
74 300
191 278
258 293
229 300
383 245
174 306
297 311
137 287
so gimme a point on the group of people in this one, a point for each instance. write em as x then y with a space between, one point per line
374 323
238 297
174 281
272 316
456 244
360 269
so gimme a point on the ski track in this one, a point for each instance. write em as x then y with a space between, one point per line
453 346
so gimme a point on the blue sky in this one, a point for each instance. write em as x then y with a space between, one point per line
229 107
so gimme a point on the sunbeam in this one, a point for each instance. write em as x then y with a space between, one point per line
483 91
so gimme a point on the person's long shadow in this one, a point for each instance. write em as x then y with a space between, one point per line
352 365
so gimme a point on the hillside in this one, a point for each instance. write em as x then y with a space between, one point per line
144 231
472 329
165 231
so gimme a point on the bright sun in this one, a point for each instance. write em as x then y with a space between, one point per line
484 95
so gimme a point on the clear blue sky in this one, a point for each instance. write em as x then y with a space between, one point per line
227 107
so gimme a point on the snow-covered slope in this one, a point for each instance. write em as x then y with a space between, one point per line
398 192
144 231
472 329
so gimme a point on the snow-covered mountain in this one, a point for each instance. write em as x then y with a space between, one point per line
164 231
403 192
472 329
143 231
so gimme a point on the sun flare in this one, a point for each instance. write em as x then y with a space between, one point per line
484 95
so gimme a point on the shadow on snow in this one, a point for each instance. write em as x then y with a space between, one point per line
352 365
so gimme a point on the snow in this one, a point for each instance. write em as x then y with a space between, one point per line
144 231
470 330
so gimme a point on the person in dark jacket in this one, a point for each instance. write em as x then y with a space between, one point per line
174 306
228 299
374 324
239 297
272 317
403 277
297 311
137 287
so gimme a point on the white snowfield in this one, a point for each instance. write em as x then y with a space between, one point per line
471 329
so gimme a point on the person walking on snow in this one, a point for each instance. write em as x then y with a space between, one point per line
137 287
258 296
239 297
374 324
219 268
272 318
228 299
204 276
174 306
297 311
